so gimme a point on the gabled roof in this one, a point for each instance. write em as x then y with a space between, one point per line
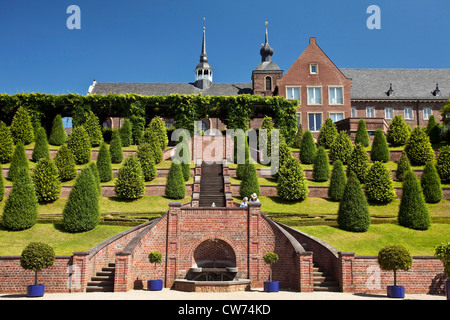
408 84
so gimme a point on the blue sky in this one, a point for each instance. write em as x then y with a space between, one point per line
160 41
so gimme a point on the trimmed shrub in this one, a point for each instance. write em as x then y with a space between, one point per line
137 125
241 167
144 154
40 149
433 130
362 136
150 137
353 213
359 162
413 212
21 207
379 185
115 147
80 145
2 185
158 126
342 148
46 180
37 256
249 183
93 129
327 134
82 212
126 135
337 182
299 136
394 257
398 132
21 127
443 163
19 160
265 141
6 144
175 186
431 184
130 179
418 148
65 163
307 149
104 164
403 166
291 182
93 167
321 167
58 135
380 149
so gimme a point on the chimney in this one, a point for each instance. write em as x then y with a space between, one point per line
312 40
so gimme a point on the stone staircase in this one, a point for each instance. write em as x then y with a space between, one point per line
103 281
323 281
211 186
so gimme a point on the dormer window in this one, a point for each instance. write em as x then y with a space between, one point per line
313 68
390 92
436 91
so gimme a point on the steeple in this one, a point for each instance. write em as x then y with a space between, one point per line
266 50
203 71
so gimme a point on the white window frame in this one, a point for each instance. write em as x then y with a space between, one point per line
353 112
367 112
299 92
425 116
311 67
315 124
404 114
336 112
329 95
307 94
386 113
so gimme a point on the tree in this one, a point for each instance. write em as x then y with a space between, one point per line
398 132
130 179
65 163
249 183
80 145
291 182
144 154
175 186
327 134
433 130
95 174
58 135
413 212
403 166
184 155
81 212
265 142
443 163
362 136
342 148
418 148
359 162
442 252
115 147
270 258
46 180
104 164
338 181
380 149
93 129
126 136
6 143
353 213
321 167
19 160
158 126
150 137
21 207
307 148
21 127
37 256
241 167
299 136
379 185
40 149
2 185
431 184
394 257
155 257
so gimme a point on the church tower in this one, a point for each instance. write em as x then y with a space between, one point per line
267 73
203 71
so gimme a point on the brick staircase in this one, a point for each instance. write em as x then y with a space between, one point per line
103 281
323 281
211 186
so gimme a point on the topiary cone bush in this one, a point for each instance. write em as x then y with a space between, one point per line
65 163
104 164
21 127
93 129
353 213
125 133
431 184
307 148
80 145
443 163
398 132
321 167
403 166
265 142
359 162
379 186
155 257
394 257
2 185
433 130
342 148
158 126
327 134
362 136
37 256
58 135
6 144
46 180
19 160
380 149
418 148
270 258
150 137
337 182
40 149
144 154
175 185
291 182
413 212
249 183
115 147
130 179
95 174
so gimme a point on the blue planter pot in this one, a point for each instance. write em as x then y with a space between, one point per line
396 292
271 286
35 290
155 285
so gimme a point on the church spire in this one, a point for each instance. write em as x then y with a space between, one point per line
266 49
203 71
204 56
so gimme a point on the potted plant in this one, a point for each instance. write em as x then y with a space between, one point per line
442 252
271 286
37 256
155 257
392 258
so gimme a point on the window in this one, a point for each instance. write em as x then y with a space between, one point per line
268 83
299 119
426 113
370 112
408 113
315 95
353 112
293 93
388 113
313 68
169 124
335 94
315 121
336 116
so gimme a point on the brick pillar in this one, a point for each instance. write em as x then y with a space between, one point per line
306 272
80 272
346 274
172 243
254 256
122 276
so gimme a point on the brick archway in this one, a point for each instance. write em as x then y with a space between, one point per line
214 253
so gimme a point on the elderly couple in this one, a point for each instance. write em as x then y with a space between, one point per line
254 198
